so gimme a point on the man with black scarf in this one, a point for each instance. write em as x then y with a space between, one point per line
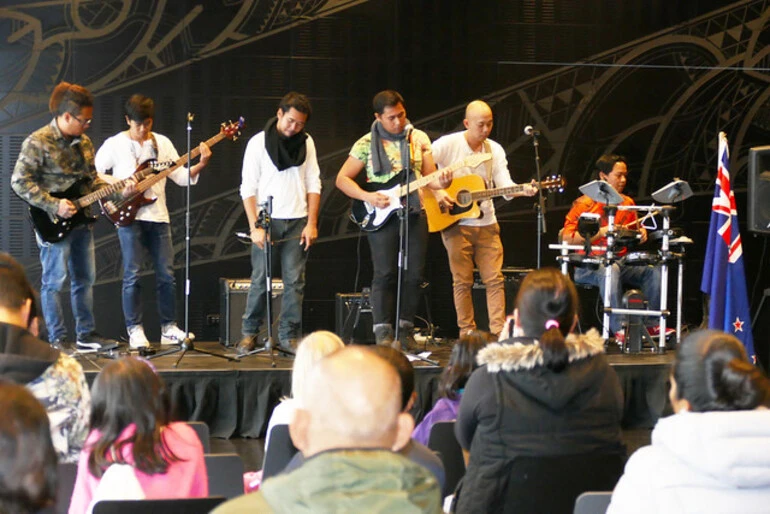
280 162
390 147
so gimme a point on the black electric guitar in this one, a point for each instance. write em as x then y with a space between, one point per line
467 192
371 218
52 228
122 212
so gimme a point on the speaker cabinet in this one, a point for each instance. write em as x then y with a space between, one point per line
354 318
759 189
513 278
232 305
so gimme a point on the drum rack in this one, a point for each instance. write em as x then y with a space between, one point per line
609 257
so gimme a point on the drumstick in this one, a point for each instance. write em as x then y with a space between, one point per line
640 220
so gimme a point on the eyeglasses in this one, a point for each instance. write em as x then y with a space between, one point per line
83 123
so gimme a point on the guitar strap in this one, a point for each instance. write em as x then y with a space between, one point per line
488 165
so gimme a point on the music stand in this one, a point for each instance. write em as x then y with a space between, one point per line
602 192
675 191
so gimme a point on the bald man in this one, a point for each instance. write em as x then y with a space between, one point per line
348 430
476 239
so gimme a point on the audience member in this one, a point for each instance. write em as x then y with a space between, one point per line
543 392
462 362
54 378
713 454
130 424
348 429
311 349
27 455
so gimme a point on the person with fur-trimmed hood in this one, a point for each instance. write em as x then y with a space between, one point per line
540 392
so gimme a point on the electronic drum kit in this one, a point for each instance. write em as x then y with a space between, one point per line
671 243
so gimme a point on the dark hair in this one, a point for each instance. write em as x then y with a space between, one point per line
387 98
139 108
128 391
606 162
404 368
298 101
547 294
712 373
70 98
15 289
27 456
462 362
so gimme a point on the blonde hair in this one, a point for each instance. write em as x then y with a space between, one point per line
312 349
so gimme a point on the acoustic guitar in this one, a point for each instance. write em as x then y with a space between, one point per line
370 218
467 192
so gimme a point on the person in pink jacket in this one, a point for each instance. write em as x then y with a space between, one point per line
130 425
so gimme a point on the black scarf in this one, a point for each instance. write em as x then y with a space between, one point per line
285 152
380 163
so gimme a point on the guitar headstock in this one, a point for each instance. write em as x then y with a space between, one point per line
232 130
554 183
475 160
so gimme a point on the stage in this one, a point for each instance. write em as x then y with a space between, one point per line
236 398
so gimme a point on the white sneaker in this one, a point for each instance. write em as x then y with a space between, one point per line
136 337
172 334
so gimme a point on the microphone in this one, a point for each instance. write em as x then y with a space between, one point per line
242 235
408 130
530 131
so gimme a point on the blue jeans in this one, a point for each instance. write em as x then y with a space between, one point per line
156 238
646 278
74 255
292 257
384 245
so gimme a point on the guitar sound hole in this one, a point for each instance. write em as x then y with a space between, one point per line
463 198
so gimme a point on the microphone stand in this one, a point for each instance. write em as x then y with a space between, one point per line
187 343
541 227
265 221
403 249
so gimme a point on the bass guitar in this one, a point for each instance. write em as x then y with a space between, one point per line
370 218
122 212
52 228
467 192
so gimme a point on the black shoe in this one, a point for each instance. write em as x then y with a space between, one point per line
289 344
246 345
95 342
59 343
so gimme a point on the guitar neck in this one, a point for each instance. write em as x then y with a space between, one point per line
146 184
500 191
85 201
427 179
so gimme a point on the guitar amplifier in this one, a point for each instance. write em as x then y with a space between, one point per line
232 305
512 277
354 318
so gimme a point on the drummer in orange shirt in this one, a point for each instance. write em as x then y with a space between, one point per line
614 170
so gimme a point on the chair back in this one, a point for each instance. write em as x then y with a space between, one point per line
552 484
176 506
443 441
279 452
66 472
593 503
202 429
225 472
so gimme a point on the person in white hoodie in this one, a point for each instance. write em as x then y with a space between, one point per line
713 454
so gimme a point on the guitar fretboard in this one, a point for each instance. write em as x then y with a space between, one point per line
427 179
85 201
501 191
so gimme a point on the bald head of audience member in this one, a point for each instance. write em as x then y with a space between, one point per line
478 122
350 404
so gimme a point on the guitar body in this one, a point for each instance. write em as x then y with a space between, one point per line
368 217
52 228
464 206
125 212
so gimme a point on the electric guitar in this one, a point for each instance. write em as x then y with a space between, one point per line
370 218
122 212
52 228
467 191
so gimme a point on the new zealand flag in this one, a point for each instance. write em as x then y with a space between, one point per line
723 276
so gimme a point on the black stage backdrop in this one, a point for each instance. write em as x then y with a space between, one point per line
644 78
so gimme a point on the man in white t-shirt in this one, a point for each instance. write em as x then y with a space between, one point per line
280 164
151 230
475 239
